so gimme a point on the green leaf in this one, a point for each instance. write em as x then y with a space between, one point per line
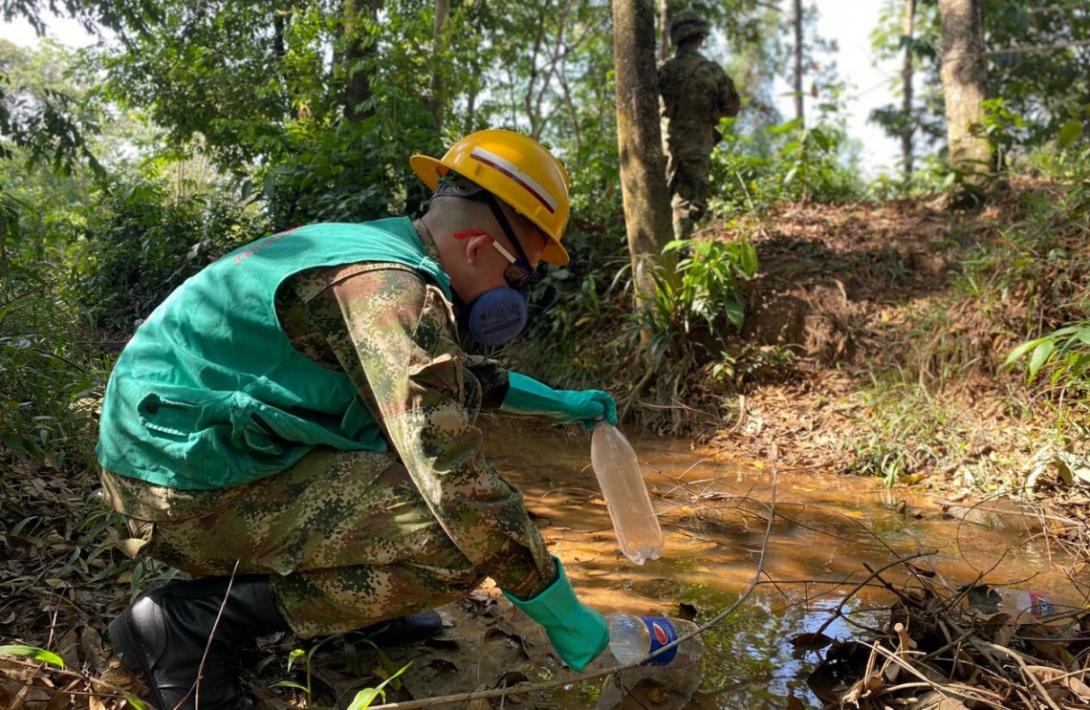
290 684
736 313
1021 350
136 702
365 697
1069 133
295 655
37 654
785 127
1040 356
675 244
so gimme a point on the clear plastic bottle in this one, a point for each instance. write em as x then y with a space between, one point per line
631 638
1021 604
666 681
629 505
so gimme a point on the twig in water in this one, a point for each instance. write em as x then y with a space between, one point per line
840 607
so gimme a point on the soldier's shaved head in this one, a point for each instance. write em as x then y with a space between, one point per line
474 267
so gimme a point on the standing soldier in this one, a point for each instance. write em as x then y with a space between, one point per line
696 93
294 426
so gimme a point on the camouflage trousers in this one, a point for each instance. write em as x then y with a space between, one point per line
687 178
345 537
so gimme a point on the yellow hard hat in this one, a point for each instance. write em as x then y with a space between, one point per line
516 169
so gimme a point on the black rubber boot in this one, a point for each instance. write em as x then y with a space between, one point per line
164 633
404 630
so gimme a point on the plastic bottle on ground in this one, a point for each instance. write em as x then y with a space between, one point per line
1023 606
629 505
666 681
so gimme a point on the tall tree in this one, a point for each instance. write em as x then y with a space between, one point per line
664 30
907 70
639 141
964 78
798 52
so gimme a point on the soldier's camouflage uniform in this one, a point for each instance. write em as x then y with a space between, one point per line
352 538
696 93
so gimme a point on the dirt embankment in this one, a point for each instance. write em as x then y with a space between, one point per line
897 363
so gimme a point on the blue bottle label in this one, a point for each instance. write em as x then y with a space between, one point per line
662 632
1041 605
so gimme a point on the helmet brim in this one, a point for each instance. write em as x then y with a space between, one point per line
429 170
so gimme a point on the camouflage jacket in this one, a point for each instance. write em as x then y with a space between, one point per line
395 336
696 93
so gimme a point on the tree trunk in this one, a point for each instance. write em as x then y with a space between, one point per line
354 52
799 106
278 35
909 129
664 30
435 86
963 77
643 170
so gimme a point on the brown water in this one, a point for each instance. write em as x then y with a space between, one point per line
714 516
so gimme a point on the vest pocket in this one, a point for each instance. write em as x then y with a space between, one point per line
170 418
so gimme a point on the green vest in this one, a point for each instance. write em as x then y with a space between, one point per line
210 392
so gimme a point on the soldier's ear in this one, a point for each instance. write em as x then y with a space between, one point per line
475 240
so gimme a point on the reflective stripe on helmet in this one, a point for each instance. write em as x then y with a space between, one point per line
512 171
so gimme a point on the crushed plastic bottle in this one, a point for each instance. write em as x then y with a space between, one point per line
666 681
629 505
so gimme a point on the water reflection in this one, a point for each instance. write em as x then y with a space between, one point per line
714 516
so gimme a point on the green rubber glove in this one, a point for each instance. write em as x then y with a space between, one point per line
526 395
577 632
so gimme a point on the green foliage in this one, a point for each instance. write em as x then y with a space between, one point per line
35 654
926 116
750 364
145 241
1040 261
782 163
42 116
365 697
43 375
1064 352
688 317
1048 88
707 288
1003 128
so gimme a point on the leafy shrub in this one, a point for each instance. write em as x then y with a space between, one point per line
780 164
347 172
144 242
706 291
43 374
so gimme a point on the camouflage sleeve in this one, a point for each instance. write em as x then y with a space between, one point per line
395 336
727 98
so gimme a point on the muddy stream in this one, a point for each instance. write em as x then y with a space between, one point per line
714 515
